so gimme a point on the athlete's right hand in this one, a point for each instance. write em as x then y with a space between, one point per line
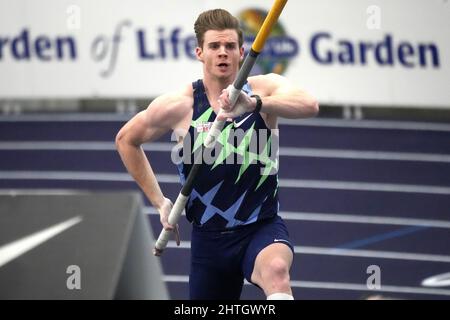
164 211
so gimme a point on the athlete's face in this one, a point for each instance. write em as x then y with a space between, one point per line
221 54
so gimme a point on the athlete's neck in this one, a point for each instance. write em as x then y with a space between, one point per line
213 88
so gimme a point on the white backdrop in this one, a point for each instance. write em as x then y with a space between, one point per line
109 39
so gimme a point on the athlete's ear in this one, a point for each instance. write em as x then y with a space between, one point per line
199 54
241 52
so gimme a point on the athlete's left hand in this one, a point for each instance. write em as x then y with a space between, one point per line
243 104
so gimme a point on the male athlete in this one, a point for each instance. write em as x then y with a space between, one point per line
237 232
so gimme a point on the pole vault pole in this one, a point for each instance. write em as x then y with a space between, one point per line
216 128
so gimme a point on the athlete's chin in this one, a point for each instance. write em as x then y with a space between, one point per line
223 76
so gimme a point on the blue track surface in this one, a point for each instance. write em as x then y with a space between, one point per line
352 196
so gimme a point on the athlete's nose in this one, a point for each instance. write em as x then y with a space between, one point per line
222 51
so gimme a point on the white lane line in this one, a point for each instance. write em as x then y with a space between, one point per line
80 175
65 175
372 254
350 253
363 155
317 122
360 287
368 124
284 151
330 217
43 192
77 146
337 286
58 145
363 186
67 117
172 178
346 218
15 249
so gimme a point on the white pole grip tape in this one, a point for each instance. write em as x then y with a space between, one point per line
214 133
173 219
234 95
217 125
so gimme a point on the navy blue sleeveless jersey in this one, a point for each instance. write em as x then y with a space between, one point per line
237 183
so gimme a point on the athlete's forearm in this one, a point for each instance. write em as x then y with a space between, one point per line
137 164
291 106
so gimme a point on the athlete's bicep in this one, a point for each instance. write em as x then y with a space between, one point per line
160 117
278 85
138 130
167 111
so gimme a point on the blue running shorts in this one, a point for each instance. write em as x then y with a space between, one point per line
220 260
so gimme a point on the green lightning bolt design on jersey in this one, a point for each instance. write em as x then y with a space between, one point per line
238 182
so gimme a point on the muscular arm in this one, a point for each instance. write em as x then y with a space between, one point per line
163 114
280 98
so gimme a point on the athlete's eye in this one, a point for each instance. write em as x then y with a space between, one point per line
231 46
214 45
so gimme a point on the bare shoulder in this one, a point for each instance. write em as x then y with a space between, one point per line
162 115
170 109
268 84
